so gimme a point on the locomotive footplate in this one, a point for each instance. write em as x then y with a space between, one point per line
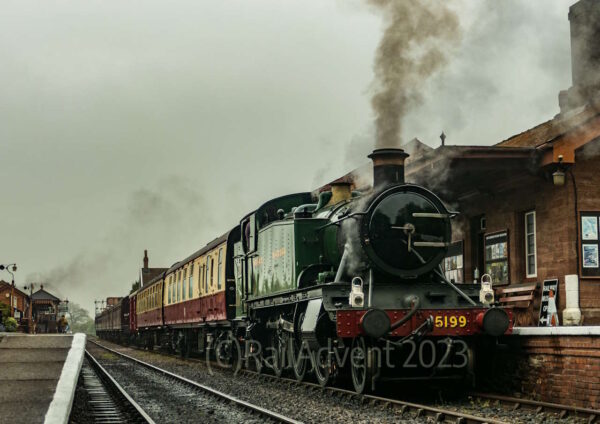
446 322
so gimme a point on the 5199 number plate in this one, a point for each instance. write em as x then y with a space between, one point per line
450 321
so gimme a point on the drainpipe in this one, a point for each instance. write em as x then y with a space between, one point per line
572 313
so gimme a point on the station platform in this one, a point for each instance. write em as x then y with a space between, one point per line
38 376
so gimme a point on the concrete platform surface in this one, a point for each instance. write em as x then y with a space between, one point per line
38 371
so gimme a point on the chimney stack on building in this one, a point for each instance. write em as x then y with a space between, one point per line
584 17
145 259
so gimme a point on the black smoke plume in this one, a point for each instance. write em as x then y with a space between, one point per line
414 45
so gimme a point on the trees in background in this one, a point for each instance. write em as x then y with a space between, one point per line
81 321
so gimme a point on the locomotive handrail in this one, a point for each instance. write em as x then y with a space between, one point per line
329 224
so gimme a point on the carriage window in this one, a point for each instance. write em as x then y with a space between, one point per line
212 272
191 282
200 276
169 293
207 274
219 269
184 284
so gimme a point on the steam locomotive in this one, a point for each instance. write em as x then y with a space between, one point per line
348 284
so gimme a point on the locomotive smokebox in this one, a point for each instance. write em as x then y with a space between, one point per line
388 167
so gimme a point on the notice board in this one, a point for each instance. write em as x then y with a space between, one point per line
548 285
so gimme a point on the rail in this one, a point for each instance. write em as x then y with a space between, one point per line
274 416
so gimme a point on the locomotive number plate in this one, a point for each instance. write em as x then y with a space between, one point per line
450 321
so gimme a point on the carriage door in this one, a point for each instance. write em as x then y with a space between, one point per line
239 264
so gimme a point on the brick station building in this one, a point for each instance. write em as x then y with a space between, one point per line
529 211
20 301
529 206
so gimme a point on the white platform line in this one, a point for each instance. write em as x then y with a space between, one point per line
557 331
60 407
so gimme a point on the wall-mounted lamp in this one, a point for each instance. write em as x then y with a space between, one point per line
558 176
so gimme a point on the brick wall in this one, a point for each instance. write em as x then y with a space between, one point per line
549 368
556 226
6 300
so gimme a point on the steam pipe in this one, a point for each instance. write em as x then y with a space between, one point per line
576 220
340 270
416 302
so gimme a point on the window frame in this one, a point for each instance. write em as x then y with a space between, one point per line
212 272
527 253
487 236
206 280
191 281
219 271
184 284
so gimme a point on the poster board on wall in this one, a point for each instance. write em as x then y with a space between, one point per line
590 244
547 286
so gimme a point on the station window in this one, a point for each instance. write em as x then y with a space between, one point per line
453 264
496 257
219 268
191 282
530 245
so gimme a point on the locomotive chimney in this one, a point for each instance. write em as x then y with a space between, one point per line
145 259
388 166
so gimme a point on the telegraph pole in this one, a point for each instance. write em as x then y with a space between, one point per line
30 312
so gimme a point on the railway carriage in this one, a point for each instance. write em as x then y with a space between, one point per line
149 311
200 297
113 322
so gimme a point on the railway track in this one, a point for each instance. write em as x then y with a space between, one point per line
438 414
107 401
562 411
255 412
407 410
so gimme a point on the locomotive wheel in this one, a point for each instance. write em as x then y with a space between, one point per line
277 354
254 361
362 364
236 354
298 356
322 366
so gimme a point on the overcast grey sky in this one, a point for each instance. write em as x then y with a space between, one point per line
127 125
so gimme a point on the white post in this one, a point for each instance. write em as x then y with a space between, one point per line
572 313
